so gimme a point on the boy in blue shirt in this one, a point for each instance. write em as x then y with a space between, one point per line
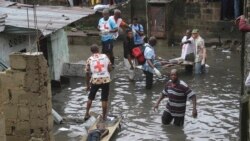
138 32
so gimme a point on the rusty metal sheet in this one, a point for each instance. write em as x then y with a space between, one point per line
157 21
49 18
4 3
2 22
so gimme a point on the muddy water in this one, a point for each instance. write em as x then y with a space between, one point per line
217 103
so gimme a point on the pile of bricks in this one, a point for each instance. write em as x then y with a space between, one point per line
25 98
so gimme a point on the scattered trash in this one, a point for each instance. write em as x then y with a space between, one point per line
57 118
73 29
226 51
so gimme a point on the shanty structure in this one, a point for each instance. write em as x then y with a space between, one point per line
28 28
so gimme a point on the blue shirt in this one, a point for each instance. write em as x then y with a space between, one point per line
107 25
149 54
137 38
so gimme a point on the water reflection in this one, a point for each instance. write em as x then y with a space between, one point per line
217 105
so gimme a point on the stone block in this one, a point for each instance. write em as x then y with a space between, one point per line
36 139
23 113
49 106
14 96
12 138
32 63
36 99
5 96
2 124
32 84
10 126
17 138
51 135
38 112
44 93
43 64
207 11
50 122
24 100
22 128
18 61
6 81
14 79
10 111
3 138
49 91
36 124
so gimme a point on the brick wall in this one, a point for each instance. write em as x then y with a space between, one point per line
205 17
193 14
25 98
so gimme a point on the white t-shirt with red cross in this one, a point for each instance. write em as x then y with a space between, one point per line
97 65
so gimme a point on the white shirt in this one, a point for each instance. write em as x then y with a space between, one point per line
188 47
199 45
99 65
118 23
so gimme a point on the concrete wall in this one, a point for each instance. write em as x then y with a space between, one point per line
25 99
59 53
13 43
245 91
138 9
201 15
2 127
205 17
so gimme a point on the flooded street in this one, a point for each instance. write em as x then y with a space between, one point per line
217 102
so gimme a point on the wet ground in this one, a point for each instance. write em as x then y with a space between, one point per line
217 102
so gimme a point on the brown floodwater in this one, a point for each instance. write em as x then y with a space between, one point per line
217 101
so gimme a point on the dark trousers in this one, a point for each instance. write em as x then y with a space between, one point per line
95 87
167 119
149 79
107 48
189 57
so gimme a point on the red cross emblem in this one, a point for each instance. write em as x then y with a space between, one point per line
105 26
99 66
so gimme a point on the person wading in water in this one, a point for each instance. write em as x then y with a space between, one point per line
177 92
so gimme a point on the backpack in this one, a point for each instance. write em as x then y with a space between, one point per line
94 135
138 53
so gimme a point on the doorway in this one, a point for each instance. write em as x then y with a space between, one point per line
157 20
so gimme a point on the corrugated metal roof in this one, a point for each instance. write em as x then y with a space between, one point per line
4 3
2 22
49 18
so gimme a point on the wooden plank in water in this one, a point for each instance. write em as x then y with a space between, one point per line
111 129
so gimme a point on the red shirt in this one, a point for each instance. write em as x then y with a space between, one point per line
243 26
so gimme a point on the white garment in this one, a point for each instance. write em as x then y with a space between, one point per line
188 47
247 82
118 22
131 73
199 45
99 66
